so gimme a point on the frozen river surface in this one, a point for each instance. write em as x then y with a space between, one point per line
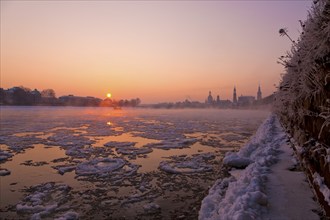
69 163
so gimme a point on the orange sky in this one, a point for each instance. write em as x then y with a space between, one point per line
157 51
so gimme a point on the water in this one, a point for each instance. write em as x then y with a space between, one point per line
115 164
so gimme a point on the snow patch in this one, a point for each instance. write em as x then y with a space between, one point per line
244 197
233 160
151 207
323 188
70 215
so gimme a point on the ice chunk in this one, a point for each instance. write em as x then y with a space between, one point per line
172 144
233 160
133 150
66 138
99 166
119 144
4 172
127 148
20 143
181 165
79 151
44 200
4 155
64 168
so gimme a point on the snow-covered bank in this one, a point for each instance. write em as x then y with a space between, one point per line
302 101
250 195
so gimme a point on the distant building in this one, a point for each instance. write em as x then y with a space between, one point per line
218 99
209 99
224 104
259 94
243 100
234 96
246 100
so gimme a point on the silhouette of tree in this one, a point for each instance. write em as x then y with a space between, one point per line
36 96
3 96
48 93
22 96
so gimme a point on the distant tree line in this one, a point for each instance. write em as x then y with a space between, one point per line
25 96
121 103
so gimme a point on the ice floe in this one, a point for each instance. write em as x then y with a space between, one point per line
173 144
18 144
66 138
100 128
64 168
116 169
5 155
4 172
34 164
99 166
46 200
184 165
87 151
133 150
117 144
127 148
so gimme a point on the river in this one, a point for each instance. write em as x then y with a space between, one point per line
103 163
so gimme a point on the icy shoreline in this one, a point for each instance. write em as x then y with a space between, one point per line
247 194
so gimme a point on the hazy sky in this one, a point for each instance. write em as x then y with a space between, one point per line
157 51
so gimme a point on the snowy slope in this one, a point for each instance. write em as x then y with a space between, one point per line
248 195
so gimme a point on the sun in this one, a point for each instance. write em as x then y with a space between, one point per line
109 95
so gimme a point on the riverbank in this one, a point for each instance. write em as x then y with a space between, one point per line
302 101
264 182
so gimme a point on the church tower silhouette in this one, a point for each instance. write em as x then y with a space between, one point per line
259 94
234 95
